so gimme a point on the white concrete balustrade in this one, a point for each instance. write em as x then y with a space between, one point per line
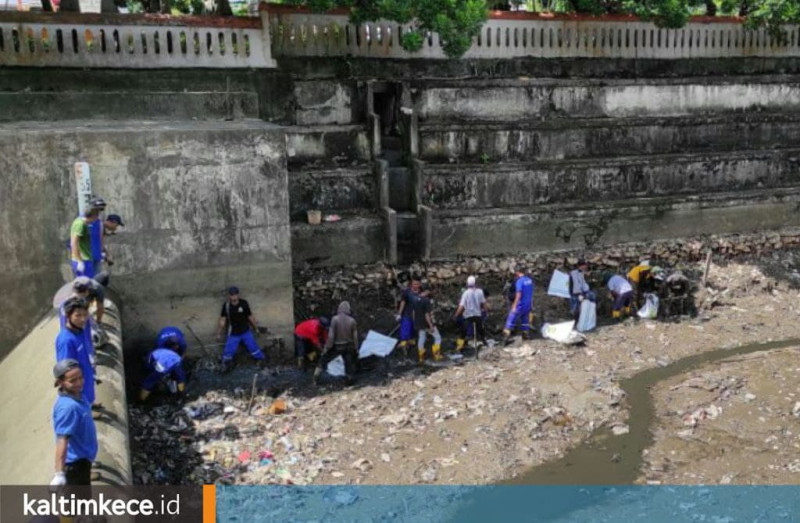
141 42
38 40
304 34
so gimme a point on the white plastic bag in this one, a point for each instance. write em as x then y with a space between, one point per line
588 318
563 333
376 344
559 285
650 309
336 366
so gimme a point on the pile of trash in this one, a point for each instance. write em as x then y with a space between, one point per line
214 440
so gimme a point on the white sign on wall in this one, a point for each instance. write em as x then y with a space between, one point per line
83 181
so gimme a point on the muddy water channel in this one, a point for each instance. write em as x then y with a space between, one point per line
606 459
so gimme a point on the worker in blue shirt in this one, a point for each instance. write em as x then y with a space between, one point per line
72 343
76 436
164 363
409 301
521 307
170 336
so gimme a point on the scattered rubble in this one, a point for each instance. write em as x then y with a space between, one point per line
484 420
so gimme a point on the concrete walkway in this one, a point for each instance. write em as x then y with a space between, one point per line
26 402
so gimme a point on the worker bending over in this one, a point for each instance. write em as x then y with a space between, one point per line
622 294
165 363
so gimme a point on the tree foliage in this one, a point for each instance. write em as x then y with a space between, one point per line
456 22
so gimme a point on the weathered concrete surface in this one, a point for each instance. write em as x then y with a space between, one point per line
27 397
355 239
28 94
327 146
331 191
125 106
414 69
605 137
324 102
594 180
592 224
512 100
205 206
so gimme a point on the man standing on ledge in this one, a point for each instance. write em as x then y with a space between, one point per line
76 436
238 320
80 243
73 343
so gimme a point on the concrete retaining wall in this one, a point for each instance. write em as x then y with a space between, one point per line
605 137
512 101
594 180
554 227
27 397
331 191
355 239
205 206
327 146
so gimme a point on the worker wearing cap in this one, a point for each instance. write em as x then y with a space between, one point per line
409 300
96 232
104 227
522 306
72 342
165 362
237 319
309 338
424 325
168 335
621 292
76 436
81 242
472 309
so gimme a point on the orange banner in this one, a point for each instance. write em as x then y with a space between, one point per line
209 504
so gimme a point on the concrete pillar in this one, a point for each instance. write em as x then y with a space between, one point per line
382 183
390 224
425 217
266 41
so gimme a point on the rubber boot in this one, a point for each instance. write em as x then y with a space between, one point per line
437 352
506 337
526 335
301 363
402 349
627 311
421 355
616 315
226 367
460 342
317 374
143 394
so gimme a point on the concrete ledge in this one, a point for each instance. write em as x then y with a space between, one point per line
27 397
125 105
341 189
356 239
327 146
532 99
478 186
553 227
492 142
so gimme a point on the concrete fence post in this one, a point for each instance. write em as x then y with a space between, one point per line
266 40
